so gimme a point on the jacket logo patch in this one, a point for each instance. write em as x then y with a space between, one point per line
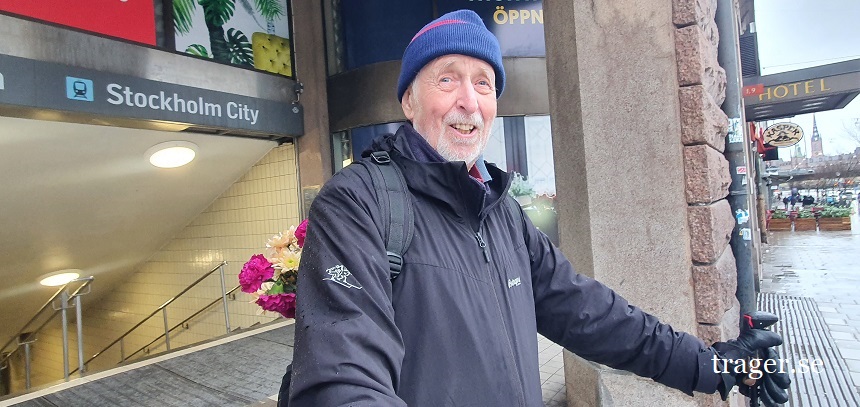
339 274
513 282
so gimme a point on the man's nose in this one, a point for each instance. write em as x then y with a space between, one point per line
467 98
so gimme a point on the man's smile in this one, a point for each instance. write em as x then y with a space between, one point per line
464 129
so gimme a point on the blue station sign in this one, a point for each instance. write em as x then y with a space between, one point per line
27 83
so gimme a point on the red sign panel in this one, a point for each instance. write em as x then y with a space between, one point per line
128 19
753 90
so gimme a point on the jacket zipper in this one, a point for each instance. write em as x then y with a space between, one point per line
483 245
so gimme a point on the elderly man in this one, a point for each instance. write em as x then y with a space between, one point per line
479 282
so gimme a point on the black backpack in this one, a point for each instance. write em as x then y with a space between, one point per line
385 176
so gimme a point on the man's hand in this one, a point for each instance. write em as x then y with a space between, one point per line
751 360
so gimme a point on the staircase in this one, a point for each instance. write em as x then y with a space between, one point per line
239 369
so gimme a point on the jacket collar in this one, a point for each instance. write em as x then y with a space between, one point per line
448 182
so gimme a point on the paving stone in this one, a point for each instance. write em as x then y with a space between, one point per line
848 344
850 354
820 266
835 321
844 328
844 336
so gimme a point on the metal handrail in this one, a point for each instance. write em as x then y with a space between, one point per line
207 306
86 282
160 309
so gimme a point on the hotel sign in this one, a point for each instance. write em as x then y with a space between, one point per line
804 89
44 85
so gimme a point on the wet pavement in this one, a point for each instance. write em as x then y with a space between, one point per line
811 279
821 268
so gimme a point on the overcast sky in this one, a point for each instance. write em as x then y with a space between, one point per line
796 34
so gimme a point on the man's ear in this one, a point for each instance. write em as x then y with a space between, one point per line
406 104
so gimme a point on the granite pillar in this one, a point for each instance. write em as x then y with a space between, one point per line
614 100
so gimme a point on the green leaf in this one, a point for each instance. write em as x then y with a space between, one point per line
217 12
182 11
835 212
198 50
277 288
239 48
520 186
779 214
270 9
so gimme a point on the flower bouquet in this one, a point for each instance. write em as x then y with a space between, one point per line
271 279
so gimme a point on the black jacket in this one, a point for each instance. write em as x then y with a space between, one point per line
459 326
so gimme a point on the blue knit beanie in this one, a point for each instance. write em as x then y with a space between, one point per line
458 32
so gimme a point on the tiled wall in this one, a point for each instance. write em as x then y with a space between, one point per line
234 227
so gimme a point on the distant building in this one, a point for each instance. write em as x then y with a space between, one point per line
816 140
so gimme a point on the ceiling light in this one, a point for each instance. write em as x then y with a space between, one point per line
171 154
58 278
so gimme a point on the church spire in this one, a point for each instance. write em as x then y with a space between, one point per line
815 142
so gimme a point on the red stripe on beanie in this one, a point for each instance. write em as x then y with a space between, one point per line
434 25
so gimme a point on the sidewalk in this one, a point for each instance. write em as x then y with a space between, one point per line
818 268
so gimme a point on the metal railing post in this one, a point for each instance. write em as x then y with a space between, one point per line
27 365
224 298
166 328
80 326
64 306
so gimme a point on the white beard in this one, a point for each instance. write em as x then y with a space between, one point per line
462 149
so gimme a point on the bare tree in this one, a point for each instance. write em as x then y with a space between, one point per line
839 175
852 130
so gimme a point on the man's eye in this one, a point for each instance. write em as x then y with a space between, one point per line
445 80
484 83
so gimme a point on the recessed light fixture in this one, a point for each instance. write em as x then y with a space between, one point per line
171 154
58 278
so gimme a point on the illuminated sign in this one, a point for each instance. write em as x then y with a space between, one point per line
783 134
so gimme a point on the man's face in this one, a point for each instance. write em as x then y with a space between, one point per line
452 104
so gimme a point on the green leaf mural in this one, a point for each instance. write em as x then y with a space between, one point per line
270 9
217 12
198 50
227 42
182 11
239 48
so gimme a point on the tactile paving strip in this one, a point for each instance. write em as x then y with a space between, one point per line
807 337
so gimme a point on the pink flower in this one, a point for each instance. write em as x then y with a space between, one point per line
284 304
254 273
301 232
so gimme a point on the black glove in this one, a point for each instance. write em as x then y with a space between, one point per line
736 356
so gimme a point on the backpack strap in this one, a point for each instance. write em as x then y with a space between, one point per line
397 202
516 212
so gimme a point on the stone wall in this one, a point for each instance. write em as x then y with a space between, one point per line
704 127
